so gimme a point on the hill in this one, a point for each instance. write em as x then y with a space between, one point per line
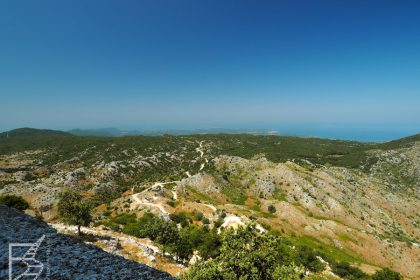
31 132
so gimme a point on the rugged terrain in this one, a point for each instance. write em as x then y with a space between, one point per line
358 202
63 256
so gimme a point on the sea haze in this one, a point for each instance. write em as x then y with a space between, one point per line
342 132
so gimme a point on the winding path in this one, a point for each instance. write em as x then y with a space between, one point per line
147 245
142 202
199 149
210 206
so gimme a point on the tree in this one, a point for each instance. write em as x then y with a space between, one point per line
210 245
246 254
182 248
73 209
386 274
14 201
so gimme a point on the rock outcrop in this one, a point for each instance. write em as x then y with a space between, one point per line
63 256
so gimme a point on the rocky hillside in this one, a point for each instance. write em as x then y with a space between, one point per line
351 201
345 208
63 256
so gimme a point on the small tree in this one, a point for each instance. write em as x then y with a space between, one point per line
271 209
14 201
73 209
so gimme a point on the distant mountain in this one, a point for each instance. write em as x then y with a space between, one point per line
403 141
114 132
105 132
26 132
22 139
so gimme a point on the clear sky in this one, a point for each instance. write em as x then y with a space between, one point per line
296 66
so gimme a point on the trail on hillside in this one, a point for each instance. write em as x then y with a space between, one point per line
210 206
174 195
144 202
146 244
200 150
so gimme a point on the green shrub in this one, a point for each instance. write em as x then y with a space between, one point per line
271 209
198 216
171 203
386 274
346 271
218 222
14 201
308 258
256 207
180 218
125 218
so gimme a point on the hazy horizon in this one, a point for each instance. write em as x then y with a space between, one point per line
379 134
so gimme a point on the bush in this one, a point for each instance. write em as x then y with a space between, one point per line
206 242
171 203
308 258
271 209
14 201
256 207
180 218
125 219
288 272
344 270
218 222
105 194
386 274
197 216
29 177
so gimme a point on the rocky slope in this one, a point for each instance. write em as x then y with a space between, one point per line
340 207
63 256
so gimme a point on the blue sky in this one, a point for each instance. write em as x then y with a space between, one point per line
286 65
